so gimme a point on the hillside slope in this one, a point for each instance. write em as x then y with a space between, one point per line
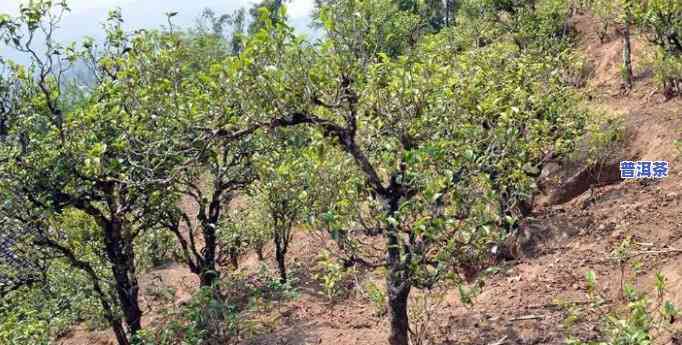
530 299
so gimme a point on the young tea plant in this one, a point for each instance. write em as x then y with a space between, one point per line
621 255
423 314
332 275
377 296
592 289
640 323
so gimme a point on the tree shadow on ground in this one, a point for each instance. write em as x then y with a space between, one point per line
300 334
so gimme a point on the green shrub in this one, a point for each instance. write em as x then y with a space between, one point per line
156 249
332 275
667 71
641 322
34 315
377 296
661 23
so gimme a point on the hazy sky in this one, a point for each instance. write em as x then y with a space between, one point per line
86 16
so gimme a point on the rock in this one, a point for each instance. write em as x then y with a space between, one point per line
184 302
549 169
579 183
607 226
616 235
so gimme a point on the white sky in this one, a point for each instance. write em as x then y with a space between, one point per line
296 8
11 6
87 15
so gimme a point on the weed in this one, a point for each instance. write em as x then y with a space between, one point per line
377 296
667 71
332 275
423 313
641 323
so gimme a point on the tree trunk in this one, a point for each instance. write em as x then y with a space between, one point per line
280 254
398 292
209 274
207 277
627 51
120 253
234 258
119 332
627 58
259 252
397 281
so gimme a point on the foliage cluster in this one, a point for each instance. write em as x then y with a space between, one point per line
640 322
660 21
421 128
36 315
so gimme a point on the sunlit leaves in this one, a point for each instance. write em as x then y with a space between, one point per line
462 129
432 139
